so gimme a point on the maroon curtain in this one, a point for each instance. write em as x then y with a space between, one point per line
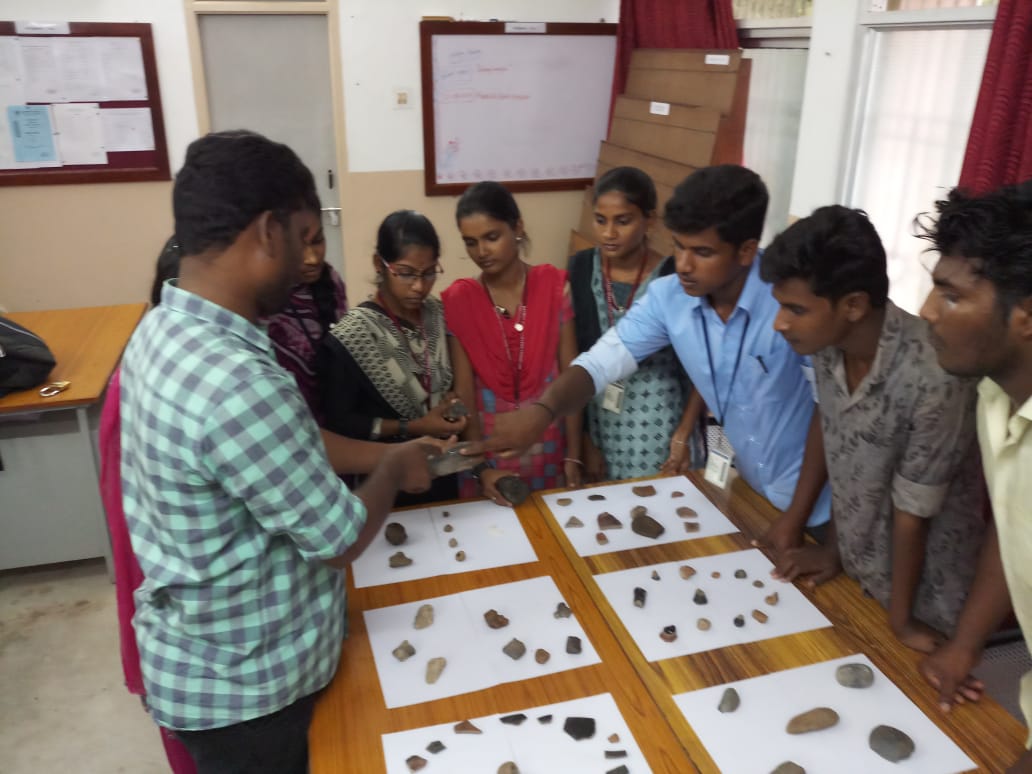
671 24
999 150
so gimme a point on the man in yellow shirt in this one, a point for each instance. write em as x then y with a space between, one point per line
980 313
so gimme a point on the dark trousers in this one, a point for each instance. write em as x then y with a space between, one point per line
276 743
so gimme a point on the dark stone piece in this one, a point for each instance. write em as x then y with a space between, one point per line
758 583
460 556
456 410
395 534
404 651
687 513
691 526
891 743
854 676
513 488
495 619
465 727
607 520
655 575
669 633
816 719
562 610
729 701
616 754
676 494
541 656
643 491
601 539
448 528
646 526
596 498
514 649
740 574
513 720
739 621
573 645
619 770
789 767
415 763
398 559
573 521
700 597
564 501
639 510
435 747
445 514
639 596
545 720
580 728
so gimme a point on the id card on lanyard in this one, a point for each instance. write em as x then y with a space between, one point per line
718 464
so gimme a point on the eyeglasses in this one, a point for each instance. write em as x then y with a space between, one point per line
410 277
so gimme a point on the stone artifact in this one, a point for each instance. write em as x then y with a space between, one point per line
772 599
435 747
601 539
854 676
424 617
639 596
729 701
513 720
789 767
715 574
676 494
686 571
452 542
758 584
580 728
541 656
739 621
513 488
564 501
448 528
891 743
655 575
606 520
562 611
700 597
415 763
619 770
465 727
452 460
669 633
508 768
760 616
434 667
816 719
611 754
445 514
573 645
514 649
639 510
596 498
703 624
398 559
687 513
691 526
646 526
395 534
573 522
643 491
740 574
495 619
404 651
613 738
545 720
460 556
456 410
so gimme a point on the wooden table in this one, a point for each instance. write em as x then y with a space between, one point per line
351 716
51 505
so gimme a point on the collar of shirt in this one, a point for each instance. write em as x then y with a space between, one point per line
174 297
1003 426
888 343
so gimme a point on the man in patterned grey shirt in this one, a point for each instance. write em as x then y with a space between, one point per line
237 519
898 431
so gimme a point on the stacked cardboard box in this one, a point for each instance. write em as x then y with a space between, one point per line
681 109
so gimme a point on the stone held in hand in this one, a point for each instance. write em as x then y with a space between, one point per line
700 597
415 763
466 727
573 522
579 728
639 596
424 617
646 526
434 667
646 490
495 619
891 743
606 520
817 719
729 701
395 534
789 767
573 645
562 610
404 651
398 559
513 488
514 649
455 411
854 676
669 633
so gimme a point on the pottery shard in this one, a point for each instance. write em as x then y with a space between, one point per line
646 526
639 510
424 617
452 542
596 498
445 514
759 616
772 599
435 747
613 738
580 728
562 610
607 520
789 767
729 701
615 754
545 720
601 539
513 720
404 651
639 596
541 656
508 768
715 574
643 491
700 597
891 743
514 649
448 528
687 513
415 763
434 667
686 571
854 676
739 621
460 556
564 501
465 727
398 559
573 645
816 719
574 522
619 770
669 633
758 584
703 624
395 534
655 575
495 619
740 574
691 526
676 494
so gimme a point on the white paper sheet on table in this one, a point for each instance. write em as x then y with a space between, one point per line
619 502
770 701
670 601
489 535
473 650
532 746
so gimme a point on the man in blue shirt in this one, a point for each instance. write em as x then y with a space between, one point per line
717 314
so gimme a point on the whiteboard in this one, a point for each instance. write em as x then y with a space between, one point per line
518 108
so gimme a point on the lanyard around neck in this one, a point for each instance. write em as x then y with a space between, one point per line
520 326
723 406
607 286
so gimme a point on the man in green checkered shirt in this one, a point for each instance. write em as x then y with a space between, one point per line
235 514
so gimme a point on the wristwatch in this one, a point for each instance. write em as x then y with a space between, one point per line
403 429
480 467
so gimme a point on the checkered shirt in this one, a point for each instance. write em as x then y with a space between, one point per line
232 506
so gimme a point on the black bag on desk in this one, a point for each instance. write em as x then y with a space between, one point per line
25 360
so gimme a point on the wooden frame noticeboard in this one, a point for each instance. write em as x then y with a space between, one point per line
522 103
98 81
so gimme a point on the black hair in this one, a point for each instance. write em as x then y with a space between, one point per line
404 228
993 231
730 198
230 178
166 269
836 250
636 186
491 199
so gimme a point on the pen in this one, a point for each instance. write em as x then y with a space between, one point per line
763 365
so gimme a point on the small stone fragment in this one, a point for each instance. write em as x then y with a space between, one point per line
545 720
703 624
611 754
643 491
789 767
816 719
564 501
606 520
573 522
465 727
398 559
715 574
434 667
601 539
452 542
435 747
455 411
687 571
562 611
854 676
691 526
760 616
596 498
445 514
415 763
676 494
739 621
460 556
639 596
646 526
655 575
740 574
514 649
613 738
619 770
580 728
495 619
424 617
639 510
513 720
771 599
395 534
891 743
508 768
687 513
729 701
700 597
541 656
513 488
404 651
573 645
669 633
448 528
758 583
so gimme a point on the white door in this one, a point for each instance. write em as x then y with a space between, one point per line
270 73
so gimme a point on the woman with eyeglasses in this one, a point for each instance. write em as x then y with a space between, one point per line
388 373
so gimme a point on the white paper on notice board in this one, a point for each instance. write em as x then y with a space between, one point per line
127 129
80 134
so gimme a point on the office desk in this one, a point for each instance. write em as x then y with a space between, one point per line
48 488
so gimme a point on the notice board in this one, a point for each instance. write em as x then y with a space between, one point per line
79 103
525 104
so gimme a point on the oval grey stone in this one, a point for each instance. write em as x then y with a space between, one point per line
891 743
854 676
729 701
